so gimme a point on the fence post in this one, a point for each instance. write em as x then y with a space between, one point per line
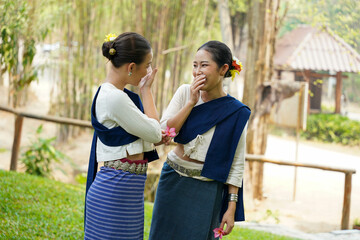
16 144
346 205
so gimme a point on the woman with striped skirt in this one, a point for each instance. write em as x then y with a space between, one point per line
199 195
124 137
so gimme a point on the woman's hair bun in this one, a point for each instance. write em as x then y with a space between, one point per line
106 49
128 47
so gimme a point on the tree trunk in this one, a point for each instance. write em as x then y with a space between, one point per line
262 20
225 23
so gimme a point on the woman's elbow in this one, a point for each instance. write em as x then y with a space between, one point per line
155 135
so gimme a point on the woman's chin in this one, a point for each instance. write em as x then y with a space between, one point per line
203 88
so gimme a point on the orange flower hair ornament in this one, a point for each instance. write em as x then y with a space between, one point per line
237 67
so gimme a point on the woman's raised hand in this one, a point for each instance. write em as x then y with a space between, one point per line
147 81
195 87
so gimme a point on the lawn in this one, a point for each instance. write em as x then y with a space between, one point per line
38 208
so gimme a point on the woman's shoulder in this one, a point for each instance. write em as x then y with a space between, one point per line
113 95
237 102
183 92
110 90
184 87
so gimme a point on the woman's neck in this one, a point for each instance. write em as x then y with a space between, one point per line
115 77
215 93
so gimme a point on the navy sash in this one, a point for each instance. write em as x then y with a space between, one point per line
230 117
112 137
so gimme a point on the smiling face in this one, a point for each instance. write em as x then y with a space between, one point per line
140 70
203 64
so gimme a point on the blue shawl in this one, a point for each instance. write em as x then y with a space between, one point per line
112 137
230 117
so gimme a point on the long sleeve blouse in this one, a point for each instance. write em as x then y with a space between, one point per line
114 108
197 148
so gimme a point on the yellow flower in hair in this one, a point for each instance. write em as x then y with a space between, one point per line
110 37
237 68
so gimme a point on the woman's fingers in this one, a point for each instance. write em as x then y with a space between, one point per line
222 224
148 80
153 73
195 87
228 229
228 220
198 83
199 78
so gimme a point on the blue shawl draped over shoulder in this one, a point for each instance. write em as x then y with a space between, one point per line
112 137
229 116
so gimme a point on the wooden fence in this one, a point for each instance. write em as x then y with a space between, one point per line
259 158
347 187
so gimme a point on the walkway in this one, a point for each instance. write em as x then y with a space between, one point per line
316 211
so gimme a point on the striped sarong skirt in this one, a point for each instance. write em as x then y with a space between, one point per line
115 206
185 208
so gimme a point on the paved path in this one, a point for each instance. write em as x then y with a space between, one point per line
281 230
317 209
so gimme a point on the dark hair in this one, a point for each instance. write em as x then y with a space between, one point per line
221 54
129 47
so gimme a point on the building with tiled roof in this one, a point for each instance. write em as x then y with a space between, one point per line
311 54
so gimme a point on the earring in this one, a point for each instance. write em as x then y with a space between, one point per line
130 74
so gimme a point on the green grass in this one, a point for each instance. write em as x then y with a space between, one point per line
38 208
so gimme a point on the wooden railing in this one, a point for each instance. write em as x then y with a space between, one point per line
348 179
19 123
259 158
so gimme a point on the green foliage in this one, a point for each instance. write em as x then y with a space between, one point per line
81 178
12 21
332 128
357 222
40 154
340 16
32 207
273 215
21 26
238 6
351 87
327 108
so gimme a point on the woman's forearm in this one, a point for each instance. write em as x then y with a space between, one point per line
149 104
179 119
232 190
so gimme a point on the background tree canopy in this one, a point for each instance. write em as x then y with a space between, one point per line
174 28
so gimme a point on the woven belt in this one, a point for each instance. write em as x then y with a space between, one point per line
189 172
127 166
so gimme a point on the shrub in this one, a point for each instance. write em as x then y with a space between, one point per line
40 154
332 128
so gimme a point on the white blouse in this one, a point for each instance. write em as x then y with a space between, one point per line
198 147
114 108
